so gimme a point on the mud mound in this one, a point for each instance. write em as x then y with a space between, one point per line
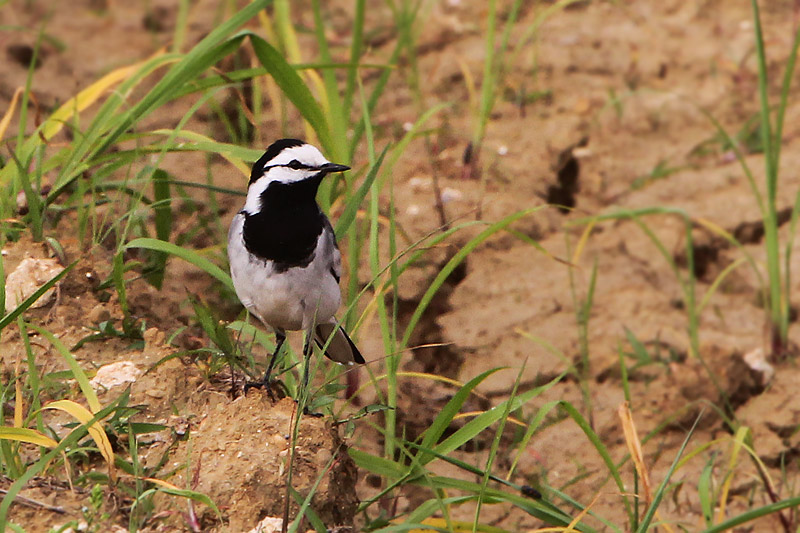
239 455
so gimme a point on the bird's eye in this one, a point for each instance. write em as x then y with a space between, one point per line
295 164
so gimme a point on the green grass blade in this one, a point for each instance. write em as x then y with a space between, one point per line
540 509
354 202
462 465
335 108
292 85
305 510
445 416
754 514
489 77
788 74
377 465
506 412
187 255
451 265
705 493
659 494
204 54
190 495
478 424
163 222
356 48
777 308
75 368
603 452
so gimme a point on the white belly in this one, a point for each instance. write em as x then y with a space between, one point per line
290 300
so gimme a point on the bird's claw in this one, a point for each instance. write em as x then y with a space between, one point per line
307 412
262 384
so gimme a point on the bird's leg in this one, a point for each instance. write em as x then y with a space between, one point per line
306 359
307 350
266 381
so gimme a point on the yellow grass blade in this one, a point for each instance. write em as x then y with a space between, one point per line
10 113
96 431
27 435
199 137
582 241
422 375
581 515
162 483
459 526
715 229
469 82
718 281
634 447
736 446
19 404
478 413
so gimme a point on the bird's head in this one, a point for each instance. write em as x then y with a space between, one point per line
286 162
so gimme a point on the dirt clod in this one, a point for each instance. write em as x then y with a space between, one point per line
239 456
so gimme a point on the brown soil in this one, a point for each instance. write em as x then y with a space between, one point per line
627 83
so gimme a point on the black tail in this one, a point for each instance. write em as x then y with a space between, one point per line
340 349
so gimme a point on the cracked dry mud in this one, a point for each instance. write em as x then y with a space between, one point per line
631 80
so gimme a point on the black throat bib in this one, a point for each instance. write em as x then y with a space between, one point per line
287 227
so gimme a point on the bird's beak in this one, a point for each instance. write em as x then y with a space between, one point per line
333 167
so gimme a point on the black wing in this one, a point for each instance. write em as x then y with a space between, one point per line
335 267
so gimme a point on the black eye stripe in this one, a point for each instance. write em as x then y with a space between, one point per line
294 165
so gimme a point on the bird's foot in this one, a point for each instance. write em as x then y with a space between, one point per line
308 412
264 384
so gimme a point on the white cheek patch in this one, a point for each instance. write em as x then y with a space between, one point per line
253 203
305 153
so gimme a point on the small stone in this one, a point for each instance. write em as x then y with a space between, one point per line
449 194
114 374
98 314
268 525
323 456
419 184
757 361
27 278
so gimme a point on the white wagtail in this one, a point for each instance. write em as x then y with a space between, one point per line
284 260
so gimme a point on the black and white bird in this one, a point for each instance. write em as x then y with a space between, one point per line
283 255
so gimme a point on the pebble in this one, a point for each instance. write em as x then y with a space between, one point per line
27 278
114 374
98 314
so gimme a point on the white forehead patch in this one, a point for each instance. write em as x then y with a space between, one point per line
305 154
